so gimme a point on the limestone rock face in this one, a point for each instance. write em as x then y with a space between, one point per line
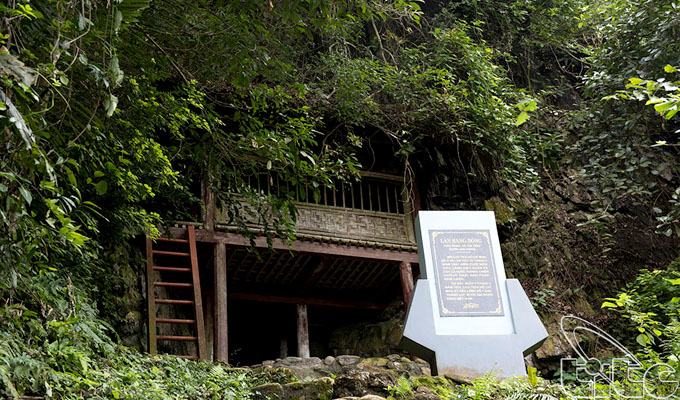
344 377
368 339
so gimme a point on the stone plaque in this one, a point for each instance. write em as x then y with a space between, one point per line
465 273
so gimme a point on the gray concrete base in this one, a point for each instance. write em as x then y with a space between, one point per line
465 357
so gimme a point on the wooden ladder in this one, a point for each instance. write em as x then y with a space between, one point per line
186 265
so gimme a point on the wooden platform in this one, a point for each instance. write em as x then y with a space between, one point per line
354 248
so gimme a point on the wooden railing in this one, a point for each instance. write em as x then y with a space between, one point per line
374 192
373 211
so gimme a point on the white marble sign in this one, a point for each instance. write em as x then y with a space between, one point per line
466 317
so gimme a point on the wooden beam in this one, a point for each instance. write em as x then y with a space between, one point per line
302 331
209 318
198 303
151 297
221 326
317 271
406 275
302 246
308 301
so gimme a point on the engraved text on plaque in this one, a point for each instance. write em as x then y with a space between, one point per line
465 273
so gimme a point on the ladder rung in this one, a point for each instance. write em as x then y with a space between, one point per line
173 301
170 253
172 240
173 284
173 269
178 338
174 321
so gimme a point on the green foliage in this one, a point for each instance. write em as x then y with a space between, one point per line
54 345
443 96
651 304
632 41
663 95
540 41
482 388
632 38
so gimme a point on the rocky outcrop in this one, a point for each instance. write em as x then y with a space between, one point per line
344 377
368 339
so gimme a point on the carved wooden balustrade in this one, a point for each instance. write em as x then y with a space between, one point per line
373 212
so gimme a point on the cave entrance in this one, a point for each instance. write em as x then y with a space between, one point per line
261 331
286 303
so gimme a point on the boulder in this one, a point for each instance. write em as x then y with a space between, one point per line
268 391
344 376
315 389
347 360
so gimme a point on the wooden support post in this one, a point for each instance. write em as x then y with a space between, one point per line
302 331
198 301
209 318
209 225
406 275
150 297
283 349
221 331
208 203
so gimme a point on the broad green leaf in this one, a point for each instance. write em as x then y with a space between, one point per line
661 108
71 176
26 195
531 106
635 81
670 69
101 187
642 339
522 118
